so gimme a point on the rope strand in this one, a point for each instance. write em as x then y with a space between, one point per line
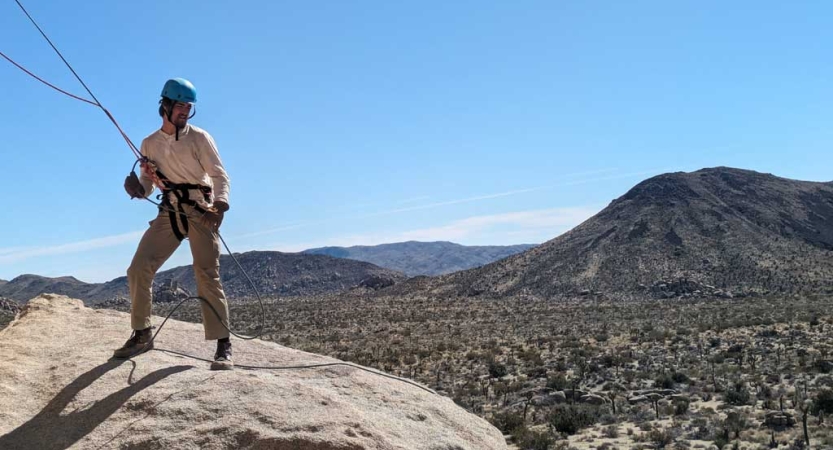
47 83
58 52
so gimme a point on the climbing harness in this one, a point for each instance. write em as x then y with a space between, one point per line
181 193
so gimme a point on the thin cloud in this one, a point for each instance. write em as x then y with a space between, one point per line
9 250
615 177
589 172
493 229
451 202
465 229
13 255
412 200
518 191
293 226
465 200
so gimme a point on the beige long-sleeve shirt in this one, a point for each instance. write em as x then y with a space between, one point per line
191 159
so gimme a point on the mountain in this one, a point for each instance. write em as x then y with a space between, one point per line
423 258
24 287
287 274
717 231
274 274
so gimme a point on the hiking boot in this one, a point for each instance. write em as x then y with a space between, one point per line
139 342
222 358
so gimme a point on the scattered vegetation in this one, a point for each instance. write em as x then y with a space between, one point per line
742 373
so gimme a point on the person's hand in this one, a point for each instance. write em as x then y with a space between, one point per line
133 186
213 218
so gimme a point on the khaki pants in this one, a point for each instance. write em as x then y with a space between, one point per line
156 246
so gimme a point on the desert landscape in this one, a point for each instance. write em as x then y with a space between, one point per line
632 339
589 373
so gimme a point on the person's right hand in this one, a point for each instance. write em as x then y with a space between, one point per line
133 186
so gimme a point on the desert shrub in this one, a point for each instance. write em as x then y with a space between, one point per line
558 382
496 369
738 394
607 419
508 421
640 414
572 418
768 333
797 444
825 380
665 382
679 377
823 366
735 349
536 372
735 422
702 429
661 438
681 406
527 439
609 360
823 402
462 400
531 356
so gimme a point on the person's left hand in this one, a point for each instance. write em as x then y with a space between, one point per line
213 218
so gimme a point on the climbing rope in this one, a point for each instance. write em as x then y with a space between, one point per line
140 158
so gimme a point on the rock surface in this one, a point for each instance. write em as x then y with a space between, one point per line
59 390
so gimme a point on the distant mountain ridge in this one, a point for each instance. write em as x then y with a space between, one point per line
721 231
274 274
423 258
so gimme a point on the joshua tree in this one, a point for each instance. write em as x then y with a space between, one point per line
612 396
527 401
735 422
805 407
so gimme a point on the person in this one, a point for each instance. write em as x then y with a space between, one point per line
182 161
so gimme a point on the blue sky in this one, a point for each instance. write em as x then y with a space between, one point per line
345 123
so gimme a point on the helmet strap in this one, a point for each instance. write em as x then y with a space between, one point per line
170 112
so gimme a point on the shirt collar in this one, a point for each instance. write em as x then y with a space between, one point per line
183 132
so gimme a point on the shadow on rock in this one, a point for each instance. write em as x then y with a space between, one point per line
51 430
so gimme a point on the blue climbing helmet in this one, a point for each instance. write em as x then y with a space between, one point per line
180 90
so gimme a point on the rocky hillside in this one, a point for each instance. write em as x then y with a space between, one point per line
66 392
9 305
288 274
274 274
423 258
718 231
8 309
24 287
